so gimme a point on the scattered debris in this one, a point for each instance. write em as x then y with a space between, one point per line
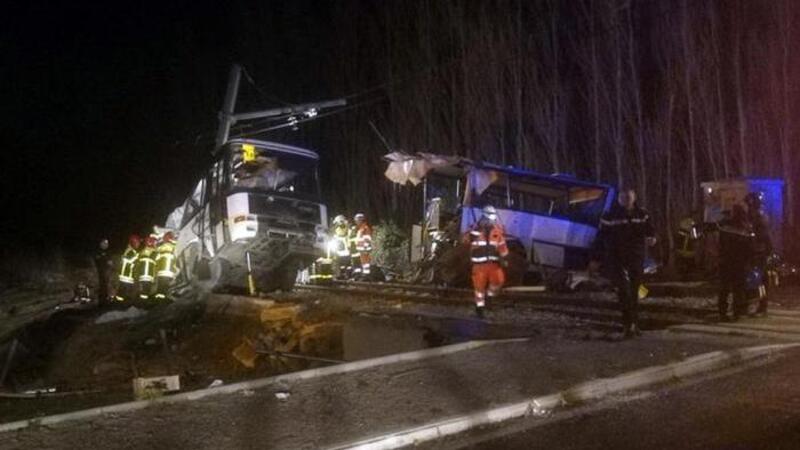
246 354
215 383
146 388
50 390
113 316
283 396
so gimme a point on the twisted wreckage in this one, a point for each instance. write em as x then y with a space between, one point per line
551 220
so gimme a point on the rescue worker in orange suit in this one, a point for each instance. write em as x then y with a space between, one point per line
488 250
126 289
762 246
363 237
624 232
165 265
145 267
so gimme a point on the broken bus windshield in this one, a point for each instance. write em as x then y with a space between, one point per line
274 171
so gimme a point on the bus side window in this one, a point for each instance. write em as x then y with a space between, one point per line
215 174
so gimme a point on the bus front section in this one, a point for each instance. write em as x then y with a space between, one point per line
276 219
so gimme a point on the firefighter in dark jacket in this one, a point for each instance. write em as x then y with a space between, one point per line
736 244
624 232
103 264
762 246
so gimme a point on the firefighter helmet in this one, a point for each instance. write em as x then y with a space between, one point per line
134 241
490 212
339 220
359 217
150 241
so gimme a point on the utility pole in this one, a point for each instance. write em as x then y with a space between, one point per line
228 117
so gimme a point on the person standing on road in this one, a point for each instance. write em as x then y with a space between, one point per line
736 244
762 246
488 250
624 232
103 264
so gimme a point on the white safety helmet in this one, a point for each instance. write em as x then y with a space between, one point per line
359 217
490 212
340 219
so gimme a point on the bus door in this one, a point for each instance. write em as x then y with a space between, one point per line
216 205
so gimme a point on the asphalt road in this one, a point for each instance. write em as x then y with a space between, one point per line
758 408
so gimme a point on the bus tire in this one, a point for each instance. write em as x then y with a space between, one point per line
288 277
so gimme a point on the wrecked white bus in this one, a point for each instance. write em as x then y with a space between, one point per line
258 211
551 220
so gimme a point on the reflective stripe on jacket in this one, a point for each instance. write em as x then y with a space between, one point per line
145 265
128 263
621 236
341 236
364 238
165 260
486 245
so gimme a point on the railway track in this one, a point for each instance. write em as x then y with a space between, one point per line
598 307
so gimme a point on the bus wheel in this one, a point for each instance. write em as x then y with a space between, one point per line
219 269
210 274
287 277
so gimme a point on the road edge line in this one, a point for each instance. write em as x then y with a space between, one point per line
715 330
353 366
581 393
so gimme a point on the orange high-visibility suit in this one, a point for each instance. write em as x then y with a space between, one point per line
364 246
487 247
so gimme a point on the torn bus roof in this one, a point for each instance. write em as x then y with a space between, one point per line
405 168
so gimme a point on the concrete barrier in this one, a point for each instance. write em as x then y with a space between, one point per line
581 393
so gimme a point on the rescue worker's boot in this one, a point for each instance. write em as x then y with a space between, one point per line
125 292
480 304
162 287
366 266
355 265
145 289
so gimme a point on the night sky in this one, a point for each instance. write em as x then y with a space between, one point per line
109 110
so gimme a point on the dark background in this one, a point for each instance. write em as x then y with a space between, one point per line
108 112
